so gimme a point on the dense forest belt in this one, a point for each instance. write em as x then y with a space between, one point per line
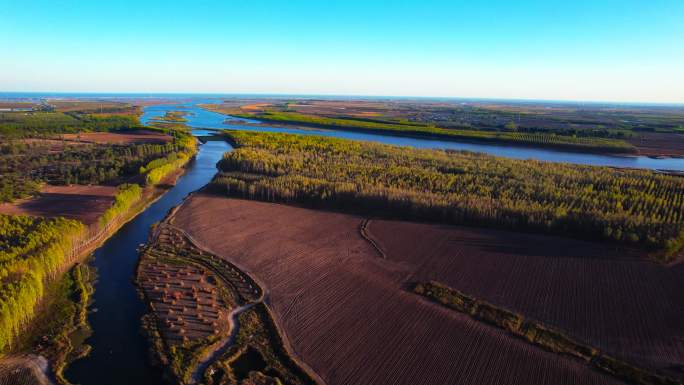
539 334
631 207
22 124
207 318
36 252
33 252
537 139
26 164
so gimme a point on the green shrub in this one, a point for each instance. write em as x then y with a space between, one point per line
126 196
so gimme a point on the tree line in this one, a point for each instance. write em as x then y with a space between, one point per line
32 124
156 170
32 252
637 207
35 251
540 138
25 166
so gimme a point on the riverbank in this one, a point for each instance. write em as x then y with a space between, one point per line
69 295
653 132
589 144
595 146
201 118
119 351
191 295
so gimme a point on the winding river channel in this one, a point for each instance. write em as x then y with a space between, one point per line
120 352
200 118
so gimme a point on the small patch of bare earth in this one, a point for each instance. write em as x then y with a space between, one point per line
256 107
16 105
54 145
142 136
659 144
83 203
24 370
64 105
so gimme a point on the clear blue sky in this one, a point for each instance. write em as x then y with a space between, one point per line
626 50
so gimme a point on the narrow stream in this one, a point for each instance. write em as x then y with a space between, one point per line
120 351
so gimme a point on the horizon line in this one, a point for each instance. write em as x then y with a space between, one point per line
329 95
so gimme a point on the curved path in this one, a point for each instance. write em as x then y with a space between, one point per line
217 349
221 346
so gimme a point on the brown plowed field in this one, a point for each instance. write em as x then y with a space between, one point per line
84 203
659 144
620 303
119 138
64 105
345 310
12 105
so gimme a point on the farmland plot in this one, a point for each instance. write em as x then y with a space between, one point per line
345 310
616 301
83 203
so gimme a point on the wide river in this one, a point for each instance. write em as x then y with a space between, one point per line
120 352
200 118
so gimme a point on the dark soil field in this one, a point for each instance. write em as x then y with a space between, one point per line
612 300
346 310
659 144
357 109
142 136
15 105
24 370
83 203
94 106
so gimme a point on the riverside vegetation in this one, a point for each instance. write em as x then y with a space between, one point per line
36 252
632 207
41 123
509 135
33 251
25 166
